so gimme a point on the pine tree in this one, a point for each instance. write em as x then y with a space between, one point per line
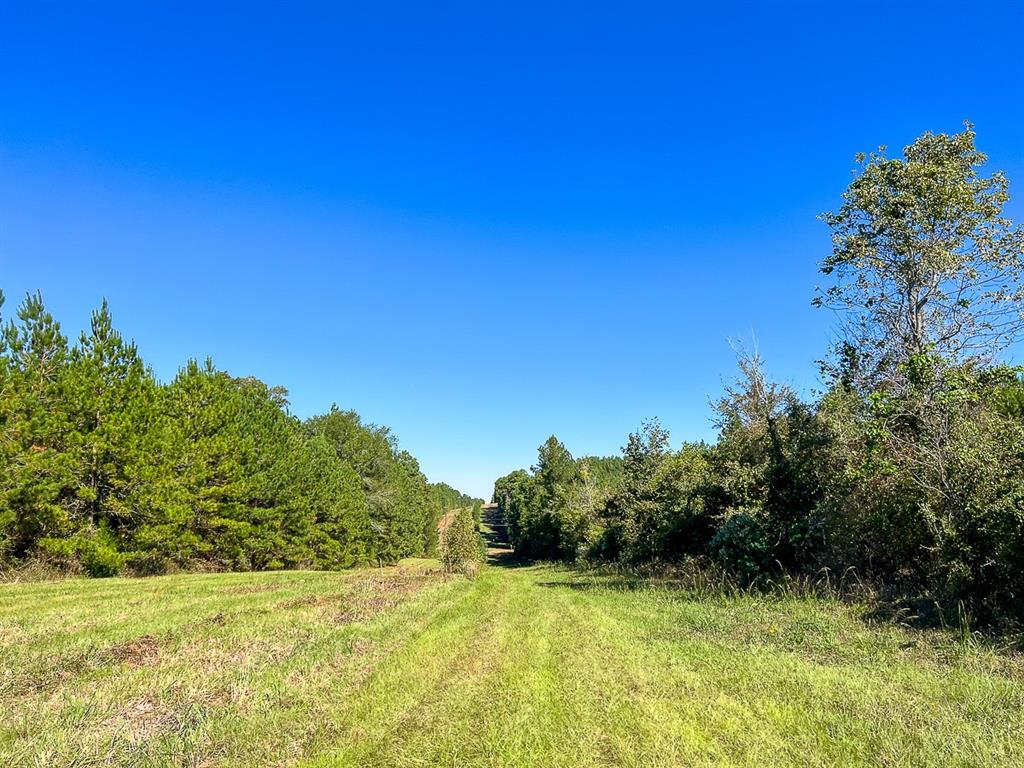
112 404
38 483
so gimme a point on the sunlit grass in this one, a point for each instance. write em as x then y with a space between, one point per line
537 666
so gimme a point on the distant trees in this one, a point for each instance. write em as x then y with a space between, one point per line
513 494
553 511
908 468
104 469
401 515
442 498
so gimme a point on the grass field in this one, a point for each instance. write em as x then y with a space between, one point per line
529 666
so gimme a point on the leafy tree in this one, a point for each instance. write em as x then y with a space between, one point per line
555 468
928 274
605 472
581 502
534 505
555 472
514 493
402 518
765 467
639 510
907 469
685 525
660 511
924 261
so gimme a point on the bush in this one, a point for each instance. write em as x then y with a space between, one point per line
462 548
742 545
96 555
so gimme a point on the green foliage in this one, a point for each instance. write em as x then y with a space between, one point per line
513 493
926 485
605 471
462 547
551 512
97 554
924 260
403 511
103 469
742 545
908 469
443 498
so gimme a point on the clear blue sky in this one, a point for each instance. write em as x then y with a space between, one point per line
476 225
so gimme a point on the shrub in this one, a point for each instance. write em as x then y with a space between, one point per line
97 555
742 545
462 548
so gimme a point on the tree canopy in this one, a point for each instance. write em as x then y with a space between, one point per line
104 469
907 470
923 259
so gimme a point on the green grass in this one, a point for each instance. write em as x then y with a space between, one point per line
537 666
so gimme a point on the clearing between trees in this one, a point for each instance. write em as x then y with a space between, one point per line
526 665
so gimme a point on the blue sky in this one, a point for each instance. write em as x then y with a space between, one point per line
477 225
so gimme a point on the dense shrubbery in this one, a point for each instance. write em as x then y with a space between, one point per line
104 469
909 467
929 503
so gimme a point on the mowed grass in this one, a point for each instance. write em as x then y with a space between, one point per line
530 666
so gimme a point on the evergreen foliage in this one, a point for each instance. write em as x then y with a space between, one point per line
103 469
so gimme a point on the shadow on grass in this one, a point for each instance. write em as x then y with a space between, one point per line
507 559
894 607
606 584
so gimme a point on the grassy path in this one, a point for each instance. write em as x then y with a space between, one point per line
527 666
549 669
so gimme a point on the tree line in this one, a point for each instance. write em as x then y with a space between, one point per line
104 469
907 468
